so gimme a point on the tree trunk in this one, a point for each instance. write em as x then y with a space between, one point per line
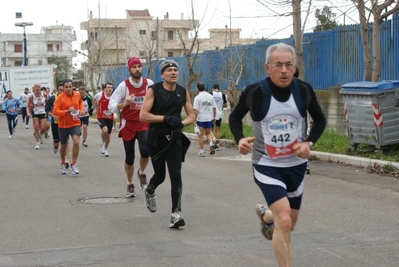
296 13
365 43
376 51
233 94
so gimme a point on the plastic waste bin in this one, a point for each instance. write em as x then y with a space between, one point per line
372 112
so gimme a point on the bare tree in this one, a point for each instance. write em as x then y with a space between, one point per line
234 66
191 47
101 44
298 27
377 11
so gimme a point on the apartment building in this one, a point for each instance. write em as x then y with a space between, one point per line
111 42
52 41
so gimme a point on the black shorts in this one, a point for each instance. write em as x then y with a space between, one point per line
217 123
84 120
40 116
106 123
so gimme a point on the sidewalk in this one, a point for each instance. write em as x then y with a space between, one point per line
323 156
328 157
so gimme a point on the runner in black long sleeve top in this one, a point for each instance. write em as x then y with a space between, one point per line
251 100
279 106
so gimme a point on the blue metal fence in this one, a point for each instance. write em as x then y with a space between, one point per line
331 58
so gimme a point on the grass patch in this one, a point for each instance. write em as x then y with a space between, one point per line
330 141
224 131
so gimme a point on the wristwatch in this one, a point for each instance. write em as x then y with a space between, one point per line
311 145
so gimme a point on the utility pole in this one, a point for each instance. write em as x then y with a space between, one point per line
116 41
23 25
157 41
99 44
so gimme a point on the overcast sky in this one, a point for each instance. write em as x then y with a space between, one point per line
254 19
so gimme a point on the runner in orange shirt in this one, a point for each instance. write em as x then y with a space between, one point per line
68 107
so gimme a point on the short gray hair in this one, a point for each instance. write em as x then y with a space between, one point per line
280 47
168 63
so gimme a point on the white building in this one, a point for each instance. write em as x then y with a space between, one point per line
53 41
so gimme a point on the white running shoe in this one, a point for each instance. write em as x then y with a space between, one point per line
10 137
37 146
106 153
63 169
26 127
176 220
130 190
102 148
201 153
66 163
74 169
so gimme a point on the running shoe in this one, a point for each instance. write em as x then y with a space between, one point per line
176 220
37 146
10 137
63 169
102 148
215 141
212 149
143 179
66 163
74 169
150 200
201 153
46 135
55 149
266 229
130 190
26 127
84 144
106 153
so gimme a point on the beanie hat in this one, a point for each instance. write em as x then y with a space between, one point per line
133 61
167 64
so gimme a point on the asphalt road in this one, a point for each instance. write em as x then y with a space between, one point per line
348 217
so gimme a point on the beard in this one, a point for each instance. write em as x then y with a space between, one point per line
136 75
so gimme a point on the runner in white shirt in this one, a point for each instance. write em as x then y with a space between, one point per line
24 98
205 112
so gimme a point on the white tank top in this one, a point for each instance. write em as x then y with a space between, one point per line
281 129
39 104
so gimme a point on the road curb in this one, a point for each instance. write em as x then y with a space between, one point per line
323 156
327 157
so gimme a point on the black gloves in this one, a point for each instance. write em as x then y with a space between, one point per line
173 120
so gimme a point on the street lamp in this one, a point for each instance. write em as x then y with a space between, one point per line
23 25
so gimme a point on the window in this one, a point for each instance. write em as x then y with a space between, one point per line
17 49
153 35
142 32
58 47
17 63
170 54
93 36
170 35
50 48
